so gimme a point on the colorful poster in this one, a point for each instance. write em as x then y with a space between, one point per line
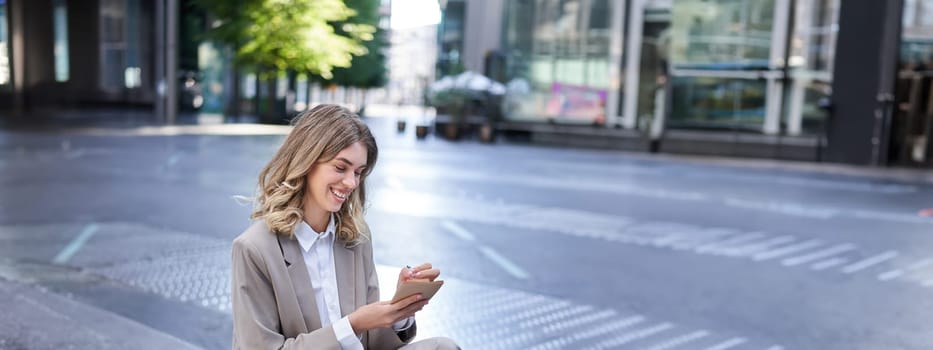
580 103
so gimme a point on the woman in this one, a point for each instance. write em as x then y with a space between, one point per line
303 274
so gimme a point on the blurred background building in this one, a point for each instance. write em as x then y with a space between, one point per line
817 80
820 80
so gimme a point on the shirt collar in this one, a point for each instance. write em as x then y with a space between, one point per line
307 236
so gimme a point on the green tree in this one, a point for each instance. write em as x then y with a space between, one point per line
368 70
272 36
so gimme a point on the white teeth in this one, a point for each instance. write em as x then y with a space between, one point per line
339 195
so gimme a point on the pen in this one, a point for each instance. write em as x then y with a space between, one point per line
411 272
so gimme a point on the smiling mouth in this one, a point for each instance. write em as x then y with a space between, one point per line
341 195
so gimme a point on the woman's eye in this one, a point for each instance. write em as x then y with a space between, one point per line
341 169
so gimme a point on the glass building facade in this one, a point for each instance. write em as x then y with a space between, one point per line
757 66
558 60
913 115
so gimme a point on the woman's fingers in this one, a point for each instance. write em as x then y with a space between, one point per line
405 302
411 309
429 274
405 274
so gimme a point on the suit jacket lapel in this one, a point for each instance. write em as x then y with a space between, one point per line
301 282
345 266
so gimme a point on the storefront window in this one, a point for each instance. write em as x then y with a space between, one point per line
119 28
558 59
917 40
451 39
653 65
812 52
4 47
700 102
721 34
60 18
912 127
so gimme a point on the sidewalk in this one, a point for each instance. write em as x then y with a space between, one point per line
35 318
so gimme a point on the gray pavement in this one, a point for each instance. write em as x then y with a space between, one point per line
37 318
542 248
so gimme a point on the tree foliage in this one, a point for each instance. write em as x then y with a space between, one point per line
368 70
279 35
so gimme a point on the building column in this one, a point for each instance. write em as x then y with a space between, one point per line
614 117
632 64
17 20
166 66
863 82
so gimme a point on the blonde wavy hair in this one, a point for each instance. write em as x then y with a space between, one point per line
317 136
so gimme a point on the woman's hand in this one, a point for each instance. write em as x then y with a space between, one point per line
421 272
383 313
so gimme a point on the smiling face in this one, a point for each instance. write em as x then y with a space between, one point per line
329 184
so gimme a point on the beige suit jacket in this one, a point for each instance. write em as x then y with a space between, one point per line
273 301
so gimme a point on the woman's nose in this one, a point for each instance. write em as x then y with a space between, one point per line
351 181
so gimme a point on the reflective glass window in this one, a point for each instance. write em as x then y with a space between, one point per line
721 34
60 23
912 124
120 56
558 59
700 102
4 46
812 51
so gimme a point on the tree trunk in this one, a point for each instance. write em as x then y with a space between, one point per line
233 105
269 113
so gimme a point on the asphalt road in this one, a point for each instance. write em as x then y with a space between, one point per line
542 248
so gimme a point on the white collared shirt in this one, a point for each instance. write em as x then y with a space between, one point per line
318 252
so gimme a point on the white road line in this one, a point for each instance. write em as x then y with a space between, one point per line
793 248
840 248
504 263
864 264
776 347
629 337
890 275
917 266
920 264
458 230
728 344
393 182
731 242
679 340
703 237
75 244
757 247
825 264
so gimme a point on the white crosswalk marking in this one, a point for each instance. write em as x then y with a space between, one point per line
818 255
866 263
771 254
731 343
731 242
825 264
758 246
912 268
